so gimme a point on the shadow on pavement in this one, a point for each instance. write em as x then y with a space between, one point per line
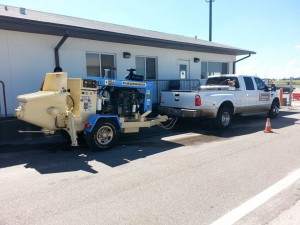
252 124
56 157
51 155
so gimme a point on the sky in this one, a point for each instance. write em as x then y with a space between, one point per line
271 28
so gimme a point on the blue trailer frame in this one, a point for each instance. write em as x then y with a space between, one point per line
146 86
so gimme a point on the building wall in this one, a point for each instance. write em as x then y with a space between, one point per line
25 58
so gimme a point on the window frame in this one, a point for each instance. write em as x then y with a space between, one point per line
114 75
145 66
207 73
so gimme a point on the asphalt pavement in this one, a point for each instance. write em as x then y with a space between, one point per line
291 215
288 217
158 177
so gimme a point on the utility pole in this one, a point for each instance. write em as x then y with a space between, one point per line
210 18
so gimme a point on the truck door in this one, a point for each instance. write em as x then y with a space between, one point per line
250 95
264 96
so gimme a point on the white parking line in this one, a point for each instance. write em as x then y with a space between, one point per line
258 200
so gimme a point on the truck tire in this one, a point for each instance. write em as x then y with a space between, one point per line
103 136
274 110
223 119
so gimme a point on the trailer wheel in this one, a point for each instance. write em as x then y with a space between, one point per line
274 110
223 119
103 136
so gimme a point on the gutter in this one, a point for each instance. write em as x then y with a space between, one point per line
62 41
238 61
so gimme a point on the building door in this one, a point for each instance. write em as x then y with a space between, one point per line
183 67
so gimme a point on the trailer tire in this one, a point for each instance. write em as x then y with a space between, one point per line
224 118
103 136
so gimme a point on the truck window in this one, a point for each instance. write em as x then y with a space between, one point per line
222 80
260 84
249 83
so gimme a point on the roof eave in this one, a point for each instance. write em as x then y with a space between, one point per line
30 26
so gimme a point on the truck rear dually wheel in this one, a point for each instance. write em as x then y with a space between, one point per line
103 136
223 119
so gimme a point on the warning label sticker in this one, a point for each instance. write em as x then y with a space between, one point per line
110 82
136 84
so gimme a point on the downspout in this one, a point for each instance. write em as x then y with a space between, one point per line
238 61
58 47
4 98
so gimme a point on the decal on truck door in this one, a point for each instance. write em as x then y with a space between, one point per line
263 97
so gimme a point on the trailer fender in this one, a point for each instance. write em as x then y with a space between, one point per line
93 119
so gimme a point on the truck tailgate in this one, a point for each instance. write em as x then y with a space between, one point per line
178 99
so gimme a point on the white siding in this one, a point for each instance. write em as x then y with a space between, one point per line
5 72
25 58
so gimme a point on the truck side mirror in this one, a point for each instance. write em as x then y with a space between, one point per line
266 89
273 87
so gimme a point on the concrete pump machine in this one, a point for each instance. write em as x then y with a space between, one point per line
98 108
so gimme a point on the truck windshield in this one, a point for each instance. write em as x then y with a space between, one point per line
222 81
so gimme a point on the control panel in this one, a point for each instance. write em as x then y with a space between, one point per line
88 100
87 83
83 96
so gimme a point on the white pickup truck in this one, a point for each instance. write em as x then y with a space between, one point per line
222 97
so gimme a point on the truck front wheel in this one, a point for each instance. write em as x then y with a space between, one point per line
223 119
274 110
103 136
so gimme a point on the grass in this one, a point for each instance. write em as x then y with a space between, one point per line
286 82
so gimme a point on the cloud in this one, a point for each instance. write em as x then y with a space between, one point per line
297 46
283 69
292 62
248 67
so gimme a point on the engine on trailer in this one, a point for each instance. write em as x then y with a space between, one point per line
119 101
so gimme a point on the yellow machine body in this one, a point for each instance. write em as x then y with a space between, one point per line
84 101
78 104
47 107
60 96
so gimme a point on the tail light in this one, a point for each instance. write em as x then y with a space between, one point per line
197 100
87 125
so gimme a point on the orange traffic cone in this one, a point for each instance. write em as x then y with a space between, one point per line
268 126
